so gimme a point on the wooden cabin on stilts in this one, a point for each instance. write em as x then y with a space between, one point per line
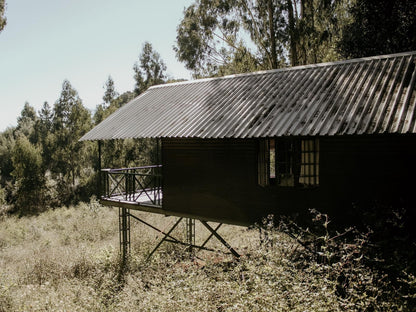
337 137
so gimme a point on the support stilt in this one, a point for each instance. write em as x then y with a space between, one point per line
190 234
124 232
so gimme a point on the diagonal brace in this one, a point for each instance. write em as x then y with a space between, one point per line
189 245
156 229
169 238
214 232
164 238
211 235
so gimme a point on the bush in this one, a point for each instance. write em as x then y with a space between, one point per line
29 174
373 270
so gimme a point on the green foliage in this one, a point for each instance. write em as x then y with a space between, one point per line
71 120
122 99
208 38
150 70
3 202
316 30
27 164
129 153
103 111
372 270
110 92
231 36
28 114
7 142
43 134
48 140
379 27
68 167
3 20
2 197
123 153
64 259
26 122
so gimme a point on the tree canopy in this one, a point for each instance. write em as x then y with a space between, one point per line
379 27
71 120
42 163
110 92
149 70
221 37
214 37
3 19
231 36
27 163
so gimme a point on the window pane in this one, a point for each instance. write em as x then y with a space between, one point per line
263 163
309 174
272 160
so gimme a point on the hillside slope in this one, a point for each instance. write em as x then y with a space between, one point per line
67 260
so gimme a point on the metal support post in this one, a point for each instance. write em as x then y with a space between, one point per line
190 234
124 232
167 236
99 188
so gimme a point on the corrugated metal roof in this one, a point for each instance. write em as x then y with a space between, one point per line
360 96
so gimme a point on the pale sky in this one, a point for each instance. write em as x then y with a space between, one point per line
84 41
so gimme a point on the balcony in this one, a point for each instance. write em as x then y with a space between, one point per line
140 188
134 188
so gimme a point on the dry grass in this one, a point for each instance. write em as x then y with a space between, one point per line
67 260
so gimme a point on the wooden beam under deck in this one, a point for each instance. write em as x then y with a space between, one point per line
148 207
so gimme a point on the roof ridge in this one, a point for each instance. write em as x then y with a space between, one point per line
299 67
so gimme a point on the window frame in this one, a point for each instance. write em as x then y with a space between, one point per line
289 162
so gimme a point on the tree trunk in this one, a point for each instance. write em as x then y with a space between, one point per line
272 34
292 35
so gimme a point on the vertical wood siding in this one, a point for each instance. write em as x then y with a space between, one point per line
217 179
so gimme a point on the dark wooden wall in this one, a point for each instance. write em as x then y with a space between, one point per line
217 179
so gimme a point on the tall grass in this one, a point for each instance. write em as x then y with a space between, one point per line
68 260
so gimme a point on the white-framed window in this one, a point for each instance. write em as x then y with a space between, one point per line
291 162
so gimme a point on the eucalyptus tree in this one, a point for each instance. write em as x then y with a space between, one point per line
26 122
110 91
70 157
7 143
29 176
379 27
245 35
110 94
3 19
43 133
149 70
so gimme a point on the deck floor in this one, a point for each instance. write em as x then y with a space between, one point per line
139 198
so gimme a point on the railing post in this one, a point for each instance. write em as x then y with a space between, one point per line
126 183
148 180
107 183
104 183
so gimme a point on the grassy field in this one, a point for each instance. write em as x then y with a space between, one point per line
68 260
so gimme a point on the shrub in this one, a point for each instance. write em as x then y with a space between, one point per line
372 270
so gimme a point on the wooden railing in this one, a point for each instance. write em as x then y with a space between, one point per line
138 184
